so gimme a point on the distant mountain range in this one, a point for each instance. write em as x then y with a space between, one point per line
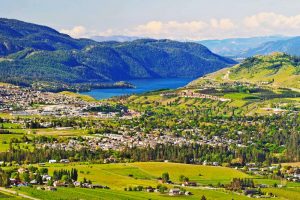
288 45
276 70
239 47
30 53
116 38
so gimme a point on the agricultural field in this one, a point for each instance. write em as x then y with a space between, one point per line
123 175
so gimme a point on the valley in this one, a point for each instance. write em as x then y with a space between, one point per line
90 114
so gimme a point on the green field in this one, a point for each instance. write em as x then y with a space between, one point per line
121 175
9 196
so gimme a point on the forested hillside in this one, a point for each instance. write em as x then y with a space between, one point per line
30 53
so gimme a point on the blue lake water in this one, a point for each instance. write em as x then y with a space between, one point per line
142 85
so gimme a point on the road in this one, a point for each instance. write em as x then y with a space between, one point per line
16 193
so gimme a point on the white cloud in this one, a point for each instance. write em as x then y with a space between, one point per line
170 29
272 20
223 24
264 23
181 30
76 32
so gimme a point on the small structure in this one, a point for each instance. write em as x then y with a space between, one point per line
174 192
150 189
50 188
59 184
33 182
64 161
187 183
22 170
94 186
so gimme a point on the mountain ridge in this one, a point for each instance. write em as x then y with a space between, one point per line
289 46
236 47
31 52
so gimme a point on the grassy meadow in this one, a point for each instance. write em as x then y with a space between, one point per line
121 175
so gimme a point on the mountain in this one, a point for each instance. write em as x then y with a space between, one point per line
31 53
289 46
16 35
275 70
236 47
116 38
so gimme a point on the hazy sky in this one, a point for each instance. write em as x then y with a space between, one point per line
174 19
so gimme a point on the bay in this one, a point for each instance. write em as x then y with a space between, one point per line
142 86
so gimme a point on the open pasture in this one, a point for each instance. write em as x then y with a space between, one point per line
123 175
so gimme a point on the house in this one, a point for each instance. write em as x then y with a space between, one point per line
33 182
150 189
64 161
251 164
41 164
50 188
174 192
52 161
187 183
59 184
94 186
253 169
76 183
110 160
46 177
22 170
250 192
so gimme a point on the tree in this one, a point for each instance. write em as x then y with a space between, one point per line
203 197
50 182
65 178
43 170
183 178
39 179
161 188
25 177
74 174
4 178
165 177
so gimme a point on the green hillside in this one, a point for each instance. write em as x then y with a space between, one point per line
31 53
275 70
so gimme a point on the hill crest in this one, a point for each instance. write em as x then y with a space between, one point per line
275 70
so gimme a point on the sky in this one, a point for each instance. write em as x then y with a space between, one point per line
172 19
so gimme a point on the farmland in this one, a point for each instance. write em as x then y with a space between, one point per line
120 175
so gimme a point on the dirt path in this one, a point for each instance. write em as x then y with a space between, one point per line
226 76
16 193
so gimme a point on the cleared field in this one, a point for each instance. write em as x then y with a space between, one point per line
293 164
80 193
56 132
286 193
124 175
198 173
4 140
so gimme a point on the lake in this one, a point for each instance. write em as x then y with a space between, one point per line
142 85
